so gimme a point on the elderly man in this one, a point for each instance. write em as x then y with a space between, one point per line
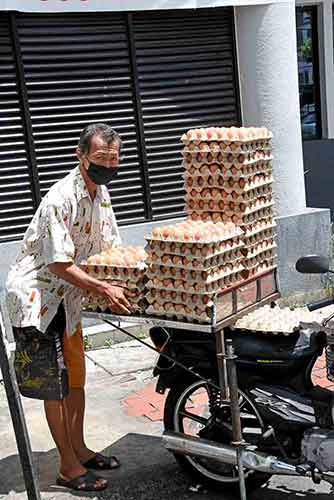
74 220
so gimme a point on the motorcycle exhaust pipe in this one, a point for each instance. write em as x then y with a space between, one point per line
189 445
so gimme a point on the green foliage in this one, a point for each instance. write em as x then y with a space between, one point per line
306 49
108 343
87 343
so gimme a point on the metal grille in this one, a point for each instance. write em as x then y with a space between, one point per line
150 75
77 71
187 78
16 198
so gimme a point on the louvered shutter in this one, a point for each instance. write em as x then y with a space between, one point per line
16 199
77 71
187 78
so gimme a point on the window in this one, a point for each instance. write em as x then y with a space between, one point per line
308 71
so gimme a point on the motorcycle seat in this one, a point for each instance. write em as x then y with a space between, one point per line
300 344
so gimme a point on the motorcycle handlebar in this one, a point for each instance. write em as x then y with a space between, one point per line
320 303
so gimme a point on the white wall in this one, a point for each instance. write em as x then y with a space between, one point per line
266 45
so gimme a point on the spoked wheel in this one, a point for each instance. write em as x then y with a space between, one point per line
195 409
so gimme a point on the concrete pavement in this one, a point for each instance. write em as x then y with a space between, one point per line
123 418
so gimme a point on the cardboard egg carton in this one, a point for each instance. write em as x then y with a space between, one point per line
262 236
240 185
181 313
256 210
199 234
264 257
158 249
217 170
183 262
202 286
188 299
228 160
195 275
265 266
233 183
224 147
259 249
94 302
229 134
244 208
134 274
218 194
258 227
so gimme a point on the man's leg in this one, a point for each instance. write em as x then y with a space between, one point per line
57 417
74 356
76 412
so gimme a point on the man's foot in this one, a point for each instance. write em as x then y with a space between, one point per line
101 462
84 482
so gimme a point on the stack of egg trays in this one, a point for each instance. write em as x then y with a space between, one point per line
233 182
185 277
132 278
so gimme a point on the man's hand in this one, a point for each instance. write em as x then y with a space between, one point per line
116 297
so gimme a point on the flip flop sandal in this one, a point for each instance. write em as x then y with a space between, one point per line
85 482
101 462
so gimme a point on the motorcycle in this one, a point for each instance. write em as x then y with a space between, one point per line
287 422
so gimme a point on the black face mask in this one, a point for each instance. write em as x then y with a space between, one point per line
101 175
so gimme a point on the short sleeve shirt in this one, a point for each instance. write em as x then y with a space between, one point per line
67 227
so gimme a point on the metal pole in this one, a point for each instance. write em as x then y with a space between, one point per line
235 413
16 411
222 374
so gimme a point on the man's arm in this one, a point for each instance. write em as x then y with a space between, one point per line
70 272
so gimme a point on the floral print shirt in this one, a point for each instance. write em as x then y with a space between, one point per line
67 227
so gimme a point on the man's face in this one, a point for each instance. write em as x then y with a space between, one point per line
103 154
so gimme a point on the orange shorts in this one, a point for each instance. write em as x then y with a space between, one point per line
74 359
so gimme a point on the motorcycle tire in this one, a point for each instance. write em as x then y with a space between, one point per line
253 481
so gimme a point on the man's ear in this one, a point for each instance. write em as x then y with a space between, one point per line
78 153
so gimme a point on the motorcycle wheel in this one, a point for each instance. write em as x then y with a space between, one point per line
189 409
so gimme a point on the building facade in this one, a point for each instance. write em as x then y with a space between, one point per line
154 73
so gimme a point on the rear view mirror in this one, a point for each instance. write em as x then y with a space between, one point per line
313 264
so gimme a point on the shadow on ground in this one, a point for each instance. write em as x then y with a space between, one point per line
148 472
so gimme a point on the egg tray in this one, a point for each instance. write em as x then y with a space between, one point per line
232 185
212 239
103 307
251 241
221 172
250 263
179 317
140 266
108 272
228 182
184 298
267 332
243 209
196 264
230 160
190 136
257 228
255 213
193 251
224 147
222 194
193 286
264 267
255 250
193 275
244 222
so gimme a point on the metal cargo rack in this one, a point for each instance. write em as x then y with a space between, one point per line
229 306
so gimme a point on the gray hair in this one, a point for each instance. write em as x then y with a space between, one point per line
103 130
